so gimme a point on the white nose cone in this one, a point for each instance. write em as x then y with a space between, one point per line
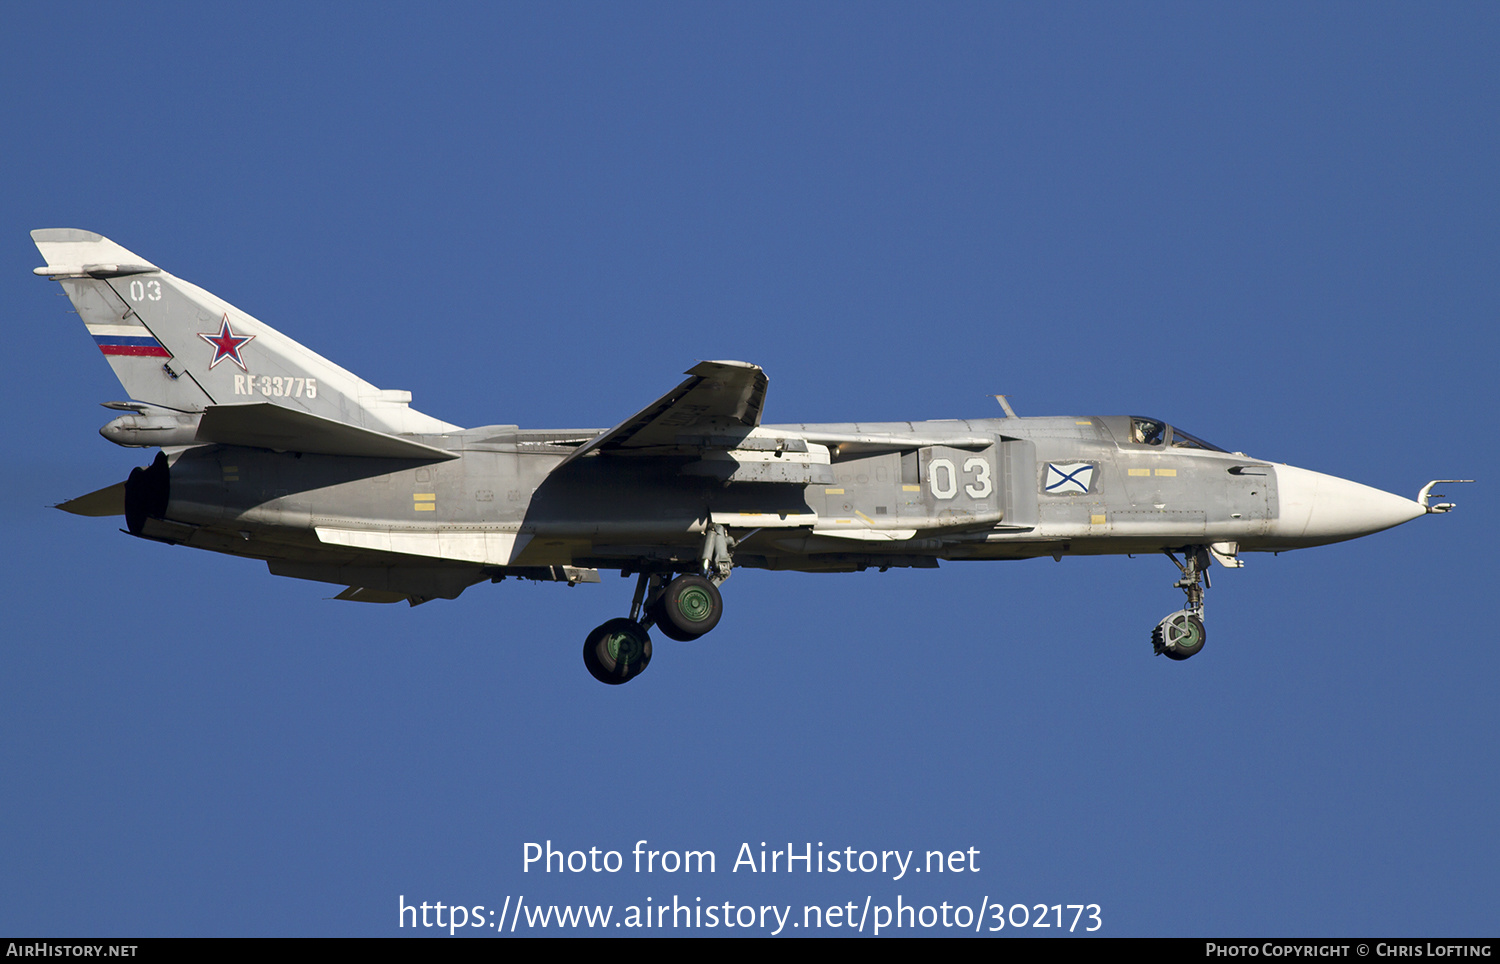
1318 508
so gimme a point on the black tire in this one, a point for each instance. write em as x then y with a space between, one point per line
665 626
617 652
1180 636
689 607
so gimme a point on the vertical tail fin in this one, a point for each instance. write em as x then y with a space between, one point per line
175 345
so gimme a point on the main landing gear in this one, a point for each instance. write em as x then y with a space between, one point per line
686 608
683 608
618 651
1181 634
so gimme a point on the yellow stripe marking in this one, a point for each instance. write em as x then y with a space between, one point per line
911 488
425 507
864 517
1139 471
1096 520
1171 472
844 522
1084 422
425 496
833 491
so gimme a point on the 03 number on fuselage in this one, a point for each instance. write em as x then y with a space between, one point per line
943 478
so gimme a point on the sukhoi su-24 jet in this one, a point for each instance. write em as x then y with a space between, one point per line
270 451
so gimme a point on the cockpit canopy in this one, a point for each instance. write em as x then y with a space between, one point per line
1152 431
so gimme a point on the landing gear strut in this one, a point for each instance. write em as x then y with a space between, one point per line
683 608
1181 634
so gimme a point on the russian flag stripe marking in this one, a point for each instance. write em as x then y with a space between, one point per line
126 345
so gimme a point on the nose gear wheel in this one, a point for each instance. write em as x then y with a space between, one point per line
1179 636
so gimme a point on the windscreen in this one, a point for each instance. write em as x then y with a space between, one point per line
1182 440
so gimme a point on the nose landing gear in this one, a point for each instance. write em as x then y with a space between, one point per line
1181 635
1178 636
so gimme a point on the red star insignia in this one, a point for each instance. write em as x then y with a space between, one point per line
226 344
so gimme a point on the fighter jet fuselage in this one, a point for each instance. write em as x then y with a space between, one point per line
270 451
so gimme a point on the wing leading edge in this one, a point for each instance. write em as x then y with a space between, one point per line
721 397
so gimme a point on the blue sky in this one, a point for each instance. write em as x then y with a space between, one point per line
1273 225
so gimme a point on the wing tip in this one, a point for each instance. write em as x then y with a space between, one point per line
722 363
64 234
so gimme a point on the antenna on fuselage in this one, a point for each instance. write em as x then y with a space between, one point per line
1005 404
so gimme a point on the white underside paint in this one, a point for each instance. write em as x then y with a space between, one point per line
1328 508
486 548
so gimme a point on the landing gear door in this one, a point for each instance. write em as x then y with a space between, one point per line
1018 459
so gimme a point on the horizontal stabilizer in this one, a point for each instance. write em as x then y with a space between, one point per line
106 501
270 426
